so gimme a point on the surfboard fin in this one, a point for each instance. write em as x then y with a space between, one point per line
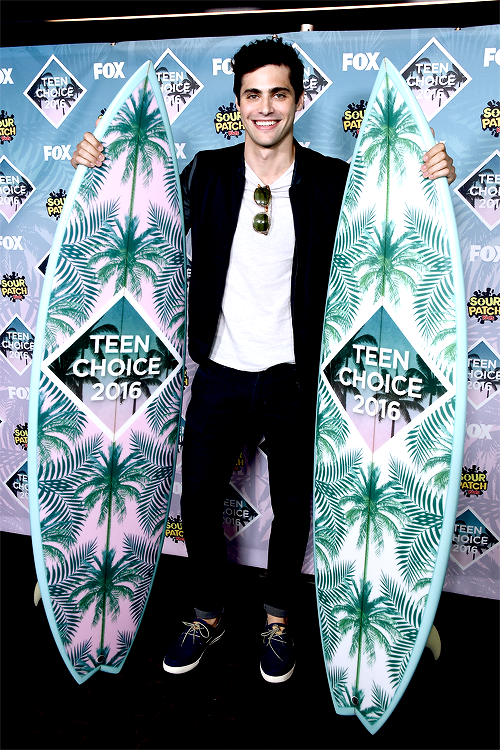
37 595
434 642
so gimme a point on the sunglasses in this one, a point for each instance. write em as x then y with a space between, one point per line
262 221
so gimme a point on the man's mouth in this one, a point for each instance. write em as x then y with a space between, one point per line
265 123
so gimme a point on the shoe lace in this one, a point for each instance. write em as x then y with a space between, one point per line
274 634
196 630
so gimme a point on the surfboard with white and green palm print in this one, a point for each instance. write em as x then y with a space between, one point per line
391 410
107 383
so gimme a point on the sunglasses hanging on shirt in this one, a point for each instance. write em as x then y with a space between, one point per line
262 221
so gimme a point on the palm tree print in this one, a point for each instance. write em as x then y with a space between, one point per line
113 482
388 259
106 583
368 621
374 506
389 132
140 132
128 257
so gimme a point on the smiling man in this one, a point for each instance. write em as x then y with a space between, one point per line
263 217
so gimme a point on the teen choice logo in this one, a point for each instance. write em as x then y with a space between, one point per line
114 367
472 539
377 374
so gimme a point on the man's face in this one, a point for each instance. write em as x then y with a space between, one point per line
267 105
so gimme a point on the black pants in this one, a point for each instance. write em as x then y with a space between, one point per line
227 408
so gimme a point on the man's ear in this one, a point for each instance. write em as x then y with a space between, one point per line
300 103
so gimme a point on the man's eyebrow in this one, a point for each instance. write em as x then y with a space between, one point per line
274 90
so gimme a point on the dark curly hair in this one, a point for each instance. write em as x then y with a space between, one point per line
271 51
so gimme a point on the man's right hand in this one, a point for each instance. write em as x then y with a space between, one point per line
88 152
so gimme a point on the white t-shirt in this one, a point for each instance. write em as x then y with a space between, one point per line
255 324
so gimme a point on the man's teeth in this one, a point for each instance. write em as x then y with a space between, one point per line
265 123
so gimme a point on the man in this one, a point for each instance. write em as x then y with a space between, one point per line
263 217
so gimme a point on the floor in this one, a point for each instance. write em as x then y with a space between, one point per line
224 703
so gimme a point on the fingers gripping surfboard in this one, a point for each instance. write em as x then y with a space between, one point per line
391 410
106 388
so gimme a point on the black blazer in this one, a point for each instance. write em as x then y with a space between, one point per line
212 188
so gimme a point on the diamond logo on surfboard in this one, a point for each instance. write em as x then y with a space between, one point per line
392 383
115 366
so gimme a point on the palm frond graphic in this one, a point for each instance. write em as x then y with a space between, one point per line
93 182
344 296
355 187
162 413
332 429
61 579
407 615
155 460
60 422
76 286
333 587
333 481
141 553
430 444
62 513
379 705
419 539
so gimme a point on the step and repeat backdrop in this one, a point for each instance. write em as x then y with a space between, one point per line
51 95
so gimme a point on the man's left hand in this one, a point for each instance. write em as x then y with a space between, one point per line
437 163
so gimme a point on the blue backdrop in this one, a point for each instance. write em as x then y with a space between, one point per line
51 95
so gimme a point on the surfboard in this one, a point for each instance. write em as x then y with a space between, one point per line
391 410
106 387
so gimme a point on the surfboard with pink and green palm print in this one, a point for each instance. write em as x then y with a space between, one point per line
107 384
391 410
